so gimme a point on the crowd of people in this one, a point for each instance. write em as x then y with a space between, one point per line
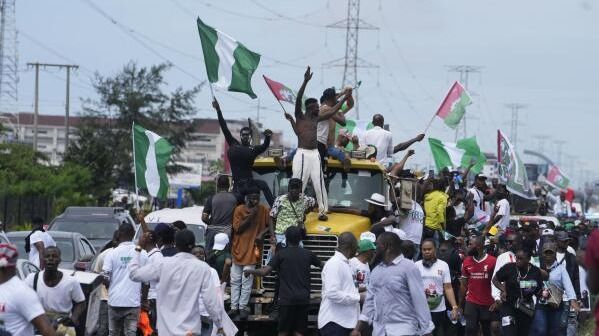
451 263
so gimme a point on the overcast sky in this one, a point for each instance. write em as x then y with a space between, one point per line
542 53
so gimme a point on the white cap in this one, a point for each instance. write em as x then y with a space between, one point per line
368 236
220 241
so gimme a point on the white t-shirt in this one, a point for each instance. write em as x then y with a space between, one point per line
215 280
154 256
382 140
433 279
19 305
361 272
503 209
123 292
36 237
412 224
59 298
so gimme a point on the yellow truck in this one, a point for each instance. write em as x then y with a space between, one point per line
344 191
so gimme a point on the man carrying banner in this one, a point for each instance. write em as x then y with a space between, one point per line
242 156
307 161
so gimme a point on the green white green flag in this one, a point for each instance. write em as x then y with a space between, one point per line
461 154
151 154
229 64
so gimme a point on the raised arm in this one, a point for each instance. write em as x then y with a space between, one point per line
405 145
261 148
350 100
223 124
332 111
300 94
400 165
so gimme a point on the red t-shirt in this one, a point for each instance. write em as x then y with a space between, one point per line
479 274
591 260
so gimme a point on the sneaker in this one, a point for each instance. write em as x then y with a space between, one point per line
323 218
233 312
243 314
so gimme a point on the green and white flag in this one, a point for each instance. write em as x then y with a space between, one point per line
229 64
151 154
460 154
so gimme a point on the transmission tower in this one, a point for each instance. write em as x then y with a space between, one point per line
464 71
9 75
351 61
515 107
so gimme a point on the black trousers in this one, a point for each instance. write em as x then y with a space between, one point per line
333 329
240 188
441 323
519 323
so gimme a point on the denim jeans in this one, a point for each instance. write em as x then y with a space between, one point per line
336 153
549 321
122 321
241 286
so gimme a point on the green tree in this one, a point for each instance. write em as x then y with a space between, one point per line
135 94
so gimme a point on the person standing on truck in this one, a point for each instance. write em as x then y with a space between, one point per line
218 211
435 202
290 210
293 265
340 304
326 128
242 155
307 161
395 303
250 223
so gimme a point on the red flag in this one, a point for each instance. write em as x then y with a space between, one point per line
280 91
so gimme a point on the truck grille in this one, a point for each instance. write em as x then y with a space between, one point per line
322 245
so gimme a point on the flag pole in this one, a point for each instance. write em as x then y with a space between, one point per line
429 123
211 91
135 166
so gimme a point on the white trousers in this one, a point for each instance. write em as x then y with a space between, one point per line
306 165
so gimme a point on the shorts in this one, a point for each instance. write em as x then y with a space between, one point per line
475 313
293 318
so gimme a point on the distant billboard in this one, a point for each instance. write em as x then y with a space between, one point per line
188 179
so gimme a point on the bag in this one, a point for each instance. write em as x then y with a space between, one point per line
556 295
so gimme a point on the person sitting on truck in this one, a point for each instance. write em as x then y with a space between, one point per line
307 161
242 156
293 265
218 211
326 128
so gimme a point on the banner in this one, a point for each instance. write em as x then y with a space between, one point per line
511 169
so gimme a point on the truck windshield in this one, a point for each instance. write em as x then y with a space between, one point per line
350 193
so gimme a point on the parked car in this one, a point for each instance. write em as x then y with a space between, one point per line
77 252
95 223
191 216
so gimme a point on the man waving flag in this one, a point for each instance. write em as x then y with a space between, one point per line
229 64
151 154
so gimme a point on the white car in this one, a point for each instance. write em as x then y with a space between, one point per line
191 216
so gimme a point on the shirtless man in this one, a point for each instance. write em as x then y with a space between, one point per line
307 161
326 128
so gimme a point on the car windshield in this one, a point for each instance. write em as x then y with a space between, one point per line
346 193
89 229
67 251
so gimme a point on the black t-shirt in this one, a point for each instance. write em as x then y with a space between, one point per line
293 265
527 286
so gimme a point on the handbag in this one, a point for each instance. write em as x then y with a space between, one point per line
527 308
556 295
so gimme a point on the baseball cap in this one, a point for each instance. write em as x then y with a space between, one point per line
547 232
562 236
480 176
8 255
366 245
220 241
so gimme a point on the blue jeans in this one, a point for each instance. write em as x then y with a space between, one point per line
549 321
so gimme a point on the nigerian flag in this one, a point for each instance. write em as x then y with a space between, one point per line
460 154
229 64
151 153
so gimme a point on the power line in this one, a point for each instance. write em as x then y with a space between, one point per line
279 15
515 107
133 34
